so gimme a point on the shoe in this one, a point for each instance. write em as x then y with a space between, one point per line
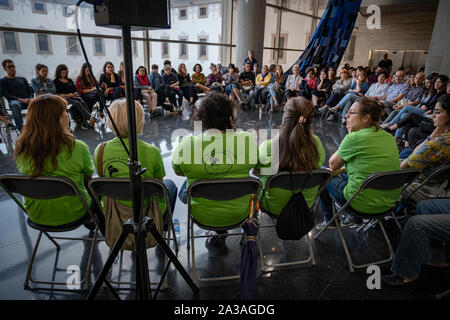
11 126
322 225
351 221
384 125
343 121
334 109
271 111
330 117
322 109
396 281
84 126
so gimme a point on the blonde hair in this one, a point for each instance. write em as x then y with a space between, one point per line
118 110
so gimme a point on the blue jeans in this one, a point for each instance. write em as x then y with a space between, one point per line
346 102
229 88
405 153
183 193
334 99
16 109
422 238
333 190
403 113
172 189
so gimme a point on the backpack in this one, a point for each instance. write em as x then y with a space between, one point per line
116 214
295 220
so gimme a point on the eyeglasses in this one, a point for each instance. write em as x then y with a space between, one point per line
10 67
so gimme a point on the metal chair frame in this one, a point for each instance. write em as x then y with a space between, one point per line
151 187
371 182
212 194
65 187
303 181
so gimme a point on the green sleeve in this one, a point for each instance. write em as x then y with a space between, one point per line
176 157
87 164
321 150
95 157
265 155
159 167
348 148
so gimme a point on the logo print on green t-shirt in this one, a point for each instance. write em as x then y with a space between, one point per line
215 167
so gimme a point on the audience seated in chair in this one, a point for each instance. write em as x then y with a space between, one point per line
421 242
247 82
199 79
114 159
358 89
187 86
365 150
85 86
145 90
232 84
17 91
323 88
156 81
309 83
423 109
299 151
276 88
293 83
340 88
216 115
434 150
66 89
262 82
110 82
42 84
395 92
46 147
171 81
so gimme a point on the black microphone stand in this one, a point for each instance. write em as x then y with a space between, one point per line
139 226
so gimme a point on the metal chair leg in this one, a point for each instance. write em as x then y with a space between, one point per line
30 265
85 281
344 244
52 240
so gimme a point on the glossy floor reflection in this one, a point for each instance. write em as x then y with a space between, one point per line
329 279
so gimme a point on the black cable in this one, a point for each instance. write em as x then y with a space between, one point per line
99 94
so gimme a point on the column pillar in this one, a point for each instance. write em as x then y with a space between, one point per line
251 15
438 59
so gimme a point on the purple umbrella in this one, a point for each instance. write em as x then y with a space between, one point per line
249 255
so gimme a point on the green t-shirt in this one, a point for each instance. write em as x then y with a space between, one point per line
66 209
208 157
365 152
115 163
275 199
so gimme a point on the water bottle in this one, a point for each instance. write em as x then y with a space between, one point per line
176 225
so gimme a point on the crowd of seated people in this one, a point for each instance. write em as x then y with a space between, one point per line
415 133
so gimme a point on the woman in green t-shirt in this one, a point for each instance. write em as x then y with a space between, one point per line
216 153
114 159
46 147
365 149
299 151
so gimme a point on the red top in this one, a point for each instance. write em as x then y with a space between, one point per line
311 82
81 87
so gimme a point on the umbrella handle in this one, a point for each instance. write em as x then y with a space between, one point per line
252 205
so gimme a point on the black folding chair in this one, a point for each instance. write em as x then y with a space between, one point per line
297 182
49 188
218 190
389 180
120 189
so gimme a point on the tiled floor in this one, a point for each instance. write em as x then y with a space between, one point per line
329 279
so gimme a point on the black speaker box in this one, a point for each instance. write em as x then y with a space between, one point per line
138 14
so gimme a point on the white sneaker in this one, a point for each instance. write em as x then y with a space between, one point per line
322 225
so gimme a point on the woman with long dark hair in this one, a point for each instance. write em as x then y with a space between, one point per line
66 89
85 86
110 82
299 151
46 147
186 85
42 84
144 90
